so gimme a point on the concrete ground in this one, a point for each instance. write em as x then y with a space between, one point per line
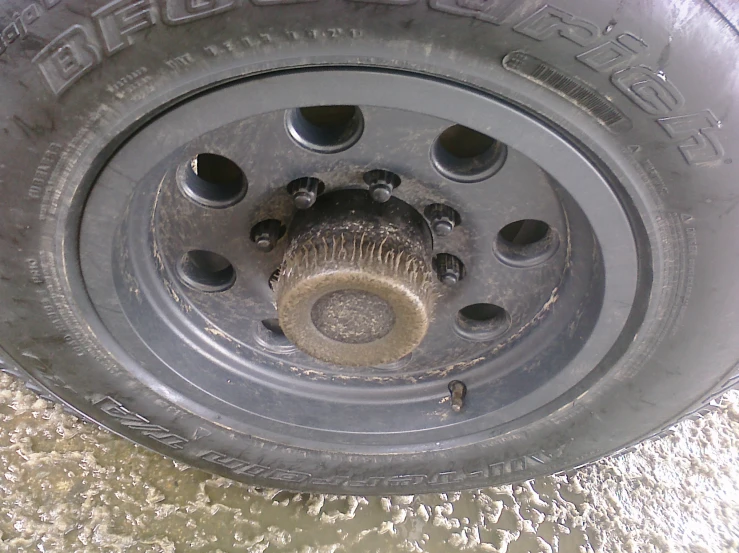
69 486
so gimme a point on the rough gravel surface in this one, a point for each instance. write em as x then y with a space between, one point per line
69 486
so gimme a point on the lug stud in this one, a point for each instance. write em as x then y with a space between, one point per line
381 184
265 234
443 219
449 269
381 192
443 227
305 191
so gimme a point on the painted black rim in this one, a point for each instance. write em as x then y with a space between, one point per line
533 230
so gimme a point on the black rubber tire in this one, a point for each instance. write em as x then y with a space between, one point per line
61 117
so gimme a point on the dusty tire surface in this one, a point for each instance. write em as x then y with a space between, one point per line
649 94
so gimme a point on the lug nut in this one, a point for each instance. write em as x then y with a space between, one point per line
266 234
381 192
443 227
458 390
305 191
449 269
274 279
381 184
443 219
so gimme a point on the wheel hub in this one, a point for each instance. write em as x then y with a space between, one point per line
357 286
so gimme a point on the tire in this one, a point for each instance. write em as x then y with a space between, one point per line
646 96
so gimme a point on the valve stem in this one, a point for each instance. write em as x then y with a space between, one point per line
458 391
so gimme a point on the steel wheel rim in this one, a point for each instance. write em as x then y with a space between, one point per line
466 429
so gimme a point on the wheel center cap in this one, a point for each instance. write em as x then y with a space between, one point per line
357 287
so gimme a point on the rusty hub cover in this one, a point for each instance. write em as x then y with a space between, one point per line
357 286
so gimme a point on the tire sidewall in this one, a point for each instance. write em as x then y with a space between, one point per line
54 143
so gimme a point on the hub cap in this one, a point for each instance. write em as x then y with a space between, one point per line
356 286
